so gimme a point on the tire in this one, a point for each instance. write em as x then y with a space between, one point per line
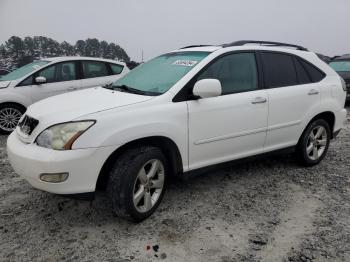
127 182
9 112
308 141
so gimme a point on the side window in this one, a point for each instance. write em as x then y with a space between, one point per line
48 73
27 82
93 69
315 74
65 72
303 75
236 72
279 70
116 69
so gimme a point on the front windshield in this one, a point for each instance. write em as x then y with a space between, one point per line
341 66
158 75
24 70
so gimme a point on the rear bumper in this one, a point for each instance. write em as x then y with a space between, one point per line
340 119
336 133
83 166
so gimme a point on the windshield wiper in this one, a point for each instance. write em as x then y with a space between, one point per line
108 86
125 88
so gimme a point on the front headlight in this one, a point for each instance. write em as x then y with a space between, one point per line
62 136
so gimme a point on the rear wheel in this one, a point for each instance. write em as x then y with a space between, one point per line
137 182
314 143
9 117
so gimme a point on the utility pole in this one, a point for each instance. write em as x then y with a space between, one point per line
142 56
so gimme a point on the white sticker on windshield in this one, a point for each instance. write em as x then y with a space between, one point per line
185 62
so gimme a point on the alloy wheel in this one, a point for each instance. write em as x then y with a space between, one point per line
317 142
9 118
149 185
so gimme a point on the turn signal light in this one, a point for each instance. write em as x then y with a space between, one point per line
54 178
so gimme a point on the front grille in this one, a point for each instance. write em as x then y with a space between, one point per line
27 125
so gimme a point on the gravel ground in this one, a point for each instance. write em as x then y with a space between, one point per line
267 210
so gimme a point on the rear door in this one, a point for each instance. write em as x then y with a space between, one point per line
292 88
99 73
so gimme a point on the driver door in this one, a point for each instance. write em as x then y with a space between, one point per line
234 124
60 78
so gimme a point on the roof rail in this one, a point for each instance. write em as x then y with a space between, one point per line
267 43
190 46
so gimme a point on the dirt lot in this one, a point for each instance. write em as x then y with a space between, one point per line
266 210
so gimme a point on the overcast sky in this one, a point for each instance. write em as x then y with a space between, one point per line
158 26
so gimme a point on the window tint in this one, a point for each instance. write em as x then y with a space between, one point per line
315 74
48 73
65 72
27 82
303 76
56 73
94 69
279 70
236 72
116 69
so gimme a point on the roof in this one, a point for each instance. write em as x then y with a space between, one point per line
243 44
343 57
70 58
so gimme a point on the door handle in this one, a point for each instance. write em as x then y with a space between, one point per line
313 92
72 88
259 100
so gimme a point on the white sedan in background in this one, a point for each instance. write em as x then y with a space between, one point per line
48 77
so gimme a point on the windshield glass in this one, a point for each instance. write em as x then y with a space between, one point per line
158 75
341 66
24 70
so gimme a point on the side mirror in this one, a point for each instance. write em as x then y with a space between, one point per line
40 80
206 88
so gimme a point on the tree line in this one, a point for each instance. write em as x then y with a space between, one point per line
17 52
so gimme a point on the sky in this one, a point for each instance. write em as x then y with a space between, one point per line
158 26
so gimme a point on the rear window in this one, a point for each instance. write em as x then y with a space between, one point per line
303 75
314 73
279 70
93 69
116 69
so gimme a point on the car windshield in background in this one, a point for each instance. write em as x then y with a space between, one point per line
341 66
158 75
24 70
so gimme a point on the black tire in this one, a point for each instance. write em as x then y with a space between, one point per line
10 106
301 151
124 176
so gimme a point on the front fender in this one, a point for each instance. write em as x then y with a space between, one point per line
119 127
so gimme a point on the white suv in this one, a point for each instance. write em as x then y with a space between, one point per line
49 77
180 112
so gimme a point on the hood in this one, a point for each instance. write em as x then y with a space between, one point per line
345 76
4 84
70 106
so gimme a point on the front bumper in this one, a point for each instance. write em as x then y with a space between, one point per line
83 165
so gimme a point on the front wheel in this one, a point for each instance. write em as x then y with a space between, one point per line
137 182
314 142
10 114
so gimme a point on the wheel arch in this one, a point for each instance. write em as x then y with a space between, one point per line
328 116
166 145
14 103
